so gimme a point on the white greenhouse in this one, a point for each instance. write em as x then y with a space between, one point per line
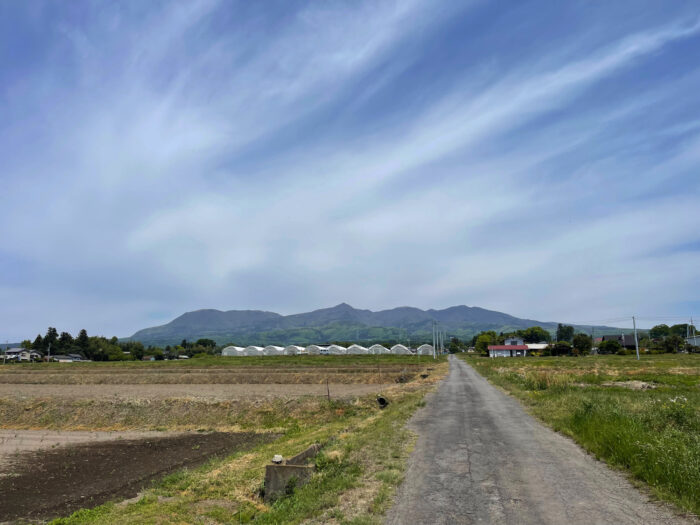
294 350
337 350
273 350
400 350
253 350
378 349
233 351
316 350
357 350
425 350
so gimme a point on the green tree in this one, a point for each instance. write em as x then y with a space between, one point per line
534 334
26 344
209 343
582 344
561 348
610 346
38 343
659 331
565 333
673 344
51 337
82 341
484 339
681 330
65 341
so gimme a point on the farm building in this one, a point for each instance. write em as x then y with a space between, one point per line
536 347
273 350
294 350
378 349
253 350
21 354
400 350
233 351
316 350
425 350
507 350
357 350
336 350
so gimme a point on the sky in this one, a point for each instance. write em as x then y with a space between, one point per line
537 158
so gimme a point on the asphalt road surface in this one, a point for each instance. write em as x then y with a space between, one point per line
481 459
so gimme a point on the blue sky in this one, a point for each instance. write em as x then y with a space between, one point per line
539 158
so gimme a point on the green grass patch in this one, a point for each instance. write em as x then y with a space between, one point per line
651 431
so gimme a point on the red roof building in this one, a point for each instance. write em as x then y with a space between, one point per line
507 350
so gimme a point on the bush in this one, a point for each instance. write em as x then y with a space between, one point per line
609 347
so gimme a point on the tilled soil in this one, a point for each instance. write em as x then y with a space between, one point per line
45 484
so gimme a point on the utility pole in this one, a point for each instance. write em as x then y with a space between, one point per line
636 341
48 357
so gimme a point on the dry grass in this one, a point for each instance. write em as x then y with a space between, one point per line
361 464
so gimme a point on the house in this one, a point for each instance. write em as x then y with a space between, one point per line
13 353
61 359
23 355
627 341
30 355
510 341
508 350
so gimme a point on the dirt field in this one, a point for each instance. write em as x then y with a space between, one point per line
308 375
13 442
217 392
38 485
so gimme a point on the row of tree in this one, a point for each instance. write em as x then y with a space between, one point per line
660 339
99 348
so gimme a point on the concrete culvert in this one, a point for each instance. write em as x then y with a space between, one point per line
382 402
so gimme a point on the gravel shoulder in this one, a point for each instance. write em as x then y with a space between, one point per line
480 458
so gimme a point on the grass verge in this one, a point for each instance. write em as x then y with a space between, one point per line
362 462
640 416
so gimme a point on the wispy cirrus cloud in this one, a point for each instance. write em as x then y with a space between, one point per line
243 156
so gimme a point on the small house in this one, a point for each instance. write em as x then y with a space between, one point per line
507 350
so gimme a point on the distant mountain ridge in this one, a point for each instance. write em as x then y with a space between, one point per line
338 323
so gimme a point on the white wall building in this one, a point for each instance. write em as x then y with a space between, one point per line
400 350
294 350
378 349
316 350
273 350
233 351
357 350
425 350
253 350
336 350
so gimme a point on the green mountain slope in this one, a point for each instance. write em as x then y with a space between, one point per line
339 323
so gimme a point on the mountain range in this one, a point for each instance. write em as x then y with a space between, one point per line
338 323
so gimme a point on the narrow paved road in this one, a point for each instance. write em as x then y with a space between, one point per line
481 459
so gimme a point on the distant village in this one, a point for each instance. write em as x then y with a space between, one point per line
534 342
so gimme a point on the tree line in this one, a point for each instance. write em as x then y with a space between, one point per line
659 339
100 348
